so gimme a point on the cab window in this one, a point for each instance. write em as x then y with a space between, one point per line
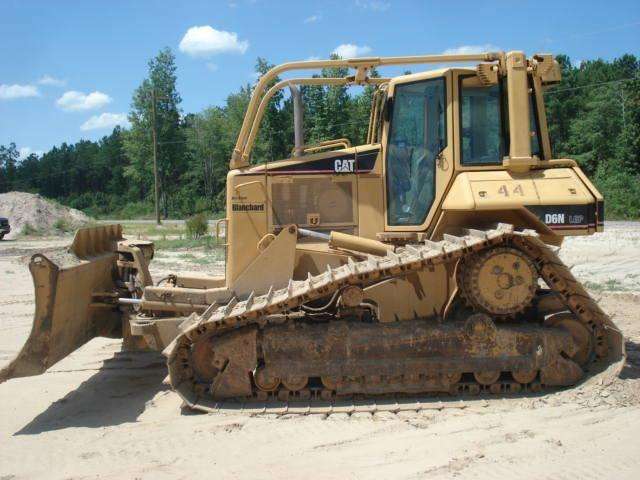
417 135
481 121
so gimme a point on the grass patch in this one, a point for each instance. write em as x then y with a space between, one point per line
611 285
167 229
208 260
205 243
153 230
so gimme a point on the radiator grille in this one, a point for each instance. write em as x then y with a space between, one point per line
313 202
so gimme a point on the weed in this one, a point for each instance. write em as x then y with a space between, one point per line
30 230
62 225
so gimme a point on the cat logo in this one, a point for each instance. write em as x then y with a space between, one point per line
313 219
344 166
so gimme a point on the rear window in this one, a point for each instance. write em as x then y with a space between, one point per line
481 137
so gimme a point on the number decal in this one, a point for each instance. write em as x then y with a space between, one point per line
503 190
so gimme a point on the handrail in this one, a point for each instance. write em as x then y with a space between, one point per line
361 65
226 223
326 145
255 127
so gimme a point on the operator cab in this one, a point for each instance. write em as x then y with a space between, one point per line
439 124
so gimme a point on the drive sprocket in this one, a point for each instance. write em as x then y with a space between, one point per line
501 281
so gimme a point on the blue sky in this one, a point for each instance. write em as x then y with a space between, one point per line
68 68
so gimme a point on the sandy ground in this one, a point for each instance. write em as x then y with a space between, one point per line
101 413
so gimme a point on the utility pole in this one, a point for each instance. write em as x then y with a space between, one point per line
154 134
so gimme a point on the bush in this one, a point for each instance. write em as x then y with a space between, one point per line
197 226
62 225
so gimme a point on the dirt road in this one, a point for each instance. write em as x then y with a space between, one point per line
104 414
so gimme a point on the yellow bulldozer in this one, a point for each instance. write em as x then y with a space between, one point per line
422 262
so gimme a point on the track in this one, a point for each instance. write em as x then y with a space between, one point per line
245 318
349 407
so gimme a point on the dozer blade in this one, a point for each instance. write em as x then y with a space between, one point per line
66 316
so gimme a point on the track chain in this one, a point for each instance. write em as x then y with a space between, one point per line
257 309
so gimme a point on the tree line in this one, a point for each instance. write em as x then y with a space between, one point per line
593 116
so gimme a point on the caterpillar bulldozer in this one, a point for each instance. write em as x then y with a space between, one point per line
421 262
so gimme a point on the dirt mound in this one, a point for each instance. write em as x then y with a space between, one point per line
29 213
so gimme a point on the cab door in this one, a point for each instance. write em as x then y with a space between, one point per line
418 162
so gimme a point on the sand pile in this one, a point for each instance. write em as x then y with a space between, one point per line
29 213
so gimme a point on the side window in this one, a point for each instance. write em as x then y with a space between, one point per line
418 133
481 120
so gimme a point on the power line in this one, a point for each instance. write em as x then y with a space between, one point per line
622 80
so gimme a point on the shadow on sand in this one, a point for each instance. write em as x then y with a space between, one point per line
631 368
116 394
120 390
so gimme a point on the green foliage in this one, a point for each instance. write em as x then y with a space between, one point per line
157 93
594 117
621 188
197 226
133 210
8 160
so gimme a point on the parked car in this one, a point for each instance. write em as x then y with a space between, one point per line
4 227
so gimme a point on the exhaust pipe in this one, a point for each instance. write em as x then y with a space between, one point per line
298 119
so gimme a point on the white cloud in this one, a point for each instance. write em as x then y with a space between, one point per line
375 5
52 81
212 67
313 19
76 101
349 50
206 41
11 92
105 120
24 152
471 49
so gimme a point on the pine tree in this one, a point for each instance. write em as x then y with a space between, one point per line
161 85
